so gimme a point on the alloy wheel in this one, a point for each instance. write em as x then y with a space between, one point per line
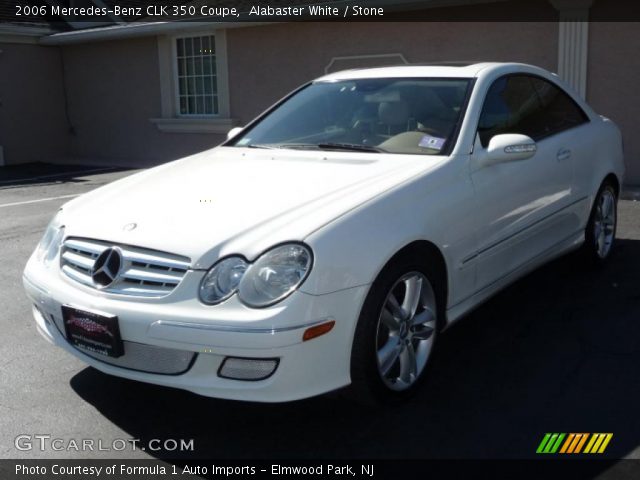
405 331
604 222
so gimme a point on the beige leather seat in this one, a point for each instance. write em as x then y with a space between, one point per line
394 117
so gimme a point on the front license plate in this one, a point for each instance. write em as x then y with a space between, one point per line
91 331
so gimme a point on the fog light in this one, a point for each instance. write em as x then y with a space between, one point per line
249 369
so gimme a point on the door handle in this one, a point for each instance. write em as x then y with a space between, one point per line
564 154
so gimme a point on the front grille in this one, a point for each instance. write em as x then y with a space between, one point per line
144 272
148 358
142 357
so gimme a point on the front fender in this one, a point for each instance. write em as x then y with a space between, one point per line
353 249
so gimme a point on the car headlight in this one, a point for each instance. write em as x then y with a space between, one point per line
222 280
275 275
51 241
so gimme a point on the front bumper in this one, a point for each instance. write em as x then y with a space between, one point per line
180 324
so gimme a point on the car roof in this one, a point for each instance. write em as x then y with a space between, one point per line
441 70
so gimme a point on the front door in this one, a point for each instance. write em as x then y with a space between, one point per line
522 205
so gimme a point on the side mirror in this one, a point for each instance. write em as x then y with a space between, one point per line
509 147
233 132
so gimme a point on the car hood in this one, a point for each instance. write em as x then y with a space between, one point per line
236 200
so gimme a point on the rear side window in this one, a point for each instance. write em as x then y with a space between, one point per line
529 106
561 112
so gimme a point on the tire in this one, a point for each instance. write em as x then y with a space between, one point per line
600 233
396 333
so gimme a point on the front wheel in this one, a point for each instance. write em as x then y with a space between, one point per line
601 230
395 334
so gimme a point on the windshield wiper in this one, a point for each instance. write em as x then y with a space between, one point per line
261 145
273 146
354 147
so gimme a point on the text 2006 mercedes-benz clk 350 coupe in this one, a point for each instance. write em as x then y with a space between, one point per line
329 241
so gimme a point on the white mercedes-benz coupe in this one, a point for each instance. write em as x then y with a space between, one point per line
330 240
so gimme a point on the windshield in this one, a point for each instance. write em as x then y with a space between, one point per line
395 115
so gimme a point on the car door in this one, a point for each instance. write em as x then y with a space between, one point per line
519 204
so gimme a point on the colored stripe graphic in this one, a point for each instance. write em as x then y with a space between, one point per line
576 438
607 439
550 443
573 443
556 445
598 442
543 443
567 442
581 442
596 445
591 442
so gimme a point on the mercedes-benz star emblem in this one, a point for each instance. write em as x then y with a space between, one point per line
107 267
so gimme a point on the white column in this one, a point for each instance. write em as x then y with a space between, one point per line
573 42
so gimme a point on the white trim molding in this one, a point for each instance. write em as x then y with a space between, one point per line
573 42
194 125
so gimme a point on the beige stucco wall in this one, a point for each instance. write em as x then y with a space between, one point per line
32 122
266 62
612 83
114 90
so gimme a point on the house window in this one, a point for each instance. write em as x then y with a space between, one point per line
197 84
194 83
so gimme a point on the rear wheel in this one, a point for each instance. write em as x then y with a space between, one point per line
601 230
395 335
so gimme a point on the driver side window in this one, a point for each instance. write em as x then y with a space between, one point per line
511 106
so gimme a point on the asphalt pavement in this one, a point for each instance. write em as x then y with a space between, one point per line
559 351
